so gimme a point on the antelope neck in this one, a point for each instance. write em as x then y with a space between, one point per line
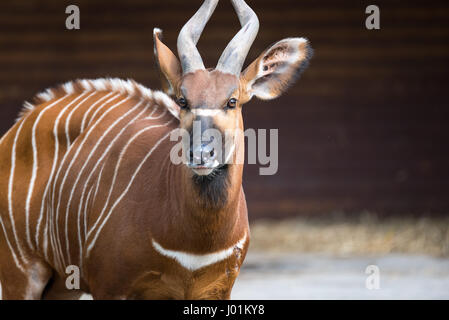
192 228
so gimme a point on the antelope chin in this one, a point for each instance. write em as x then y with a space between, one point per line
213 187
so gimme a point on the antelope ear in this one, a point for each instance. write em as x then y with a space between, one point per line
276 69
169 67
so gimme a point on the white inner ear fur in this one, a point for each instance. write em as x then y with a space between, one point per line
276 63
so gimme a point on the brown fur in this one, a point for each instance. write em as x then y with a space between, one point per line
162 205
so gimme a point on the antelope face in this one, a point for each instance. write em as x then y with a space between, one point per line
210 112
210 100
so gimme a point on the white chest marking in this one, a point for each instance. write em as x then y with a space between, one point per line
194 262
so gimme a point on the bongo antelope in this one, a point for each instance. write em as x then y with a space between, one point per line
87 178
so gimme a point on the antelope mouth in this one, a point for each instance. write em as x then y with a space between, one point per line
207 170
204 169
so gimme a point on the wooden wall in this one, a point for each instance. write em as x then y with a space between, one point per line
365 128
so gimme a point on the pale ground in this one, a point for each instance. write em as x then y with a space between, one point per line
327 259
311 276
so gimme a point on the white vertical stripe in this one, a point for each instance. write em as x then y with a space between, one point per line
92 107
101 171
86 204
97 111
95 196
45 236
55 160
97 163
54 222
8 242
161 115
80 172
116 172
36 165
66 154
44 196
14 256
61 185
67 121
54 231
10 206
92 243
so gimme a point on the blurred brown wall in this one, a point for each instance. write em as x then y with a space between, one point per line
365 128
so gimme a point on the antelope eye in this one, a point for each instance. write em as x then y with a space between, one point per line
232 103
182 102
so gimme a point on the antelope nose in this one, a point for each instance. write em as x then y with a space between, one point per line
203 154
208 154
